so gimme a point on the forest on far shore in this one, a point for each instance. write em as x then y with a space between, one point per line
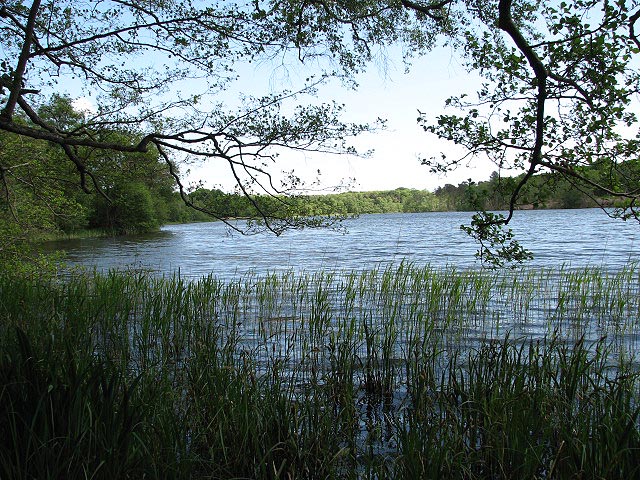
132 193
543 192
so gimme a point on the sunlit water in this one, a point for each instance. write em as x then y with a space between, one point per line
573 238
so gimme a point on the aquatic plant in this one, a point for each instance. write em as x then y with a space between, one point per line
403 372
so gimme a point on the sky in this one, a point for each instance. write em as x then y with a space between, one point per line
384 91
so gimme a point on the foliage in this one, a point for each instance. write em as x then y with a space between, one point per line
542 191
131 209
346 203
559 83
132 62
497 247
41 197
558 92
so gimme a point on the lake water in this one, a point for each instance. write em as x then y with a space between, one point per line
275 322
573 238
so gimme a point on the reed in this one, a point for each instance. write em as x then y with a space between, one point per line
402 372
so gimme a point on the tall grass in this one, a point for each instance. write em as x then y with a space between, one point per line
406 372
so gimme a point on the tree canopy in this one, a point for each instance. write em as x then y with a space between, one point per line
559 91
560 95
133 60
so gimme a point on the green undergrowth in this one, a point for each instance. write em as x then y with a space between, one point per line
408 372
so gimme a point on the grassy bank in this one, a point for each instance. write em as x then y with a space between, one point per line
404 373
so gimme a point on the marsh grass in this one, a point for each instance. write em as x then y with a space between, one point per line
406 372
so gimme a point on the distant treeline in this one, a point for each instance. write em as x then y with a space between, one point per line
41 194
544 191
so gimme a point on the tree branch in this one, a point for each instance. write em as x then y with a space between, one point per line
632 33
427 9
506 23
23 59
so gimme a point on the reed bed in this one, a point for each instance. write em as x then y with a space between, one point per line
405 372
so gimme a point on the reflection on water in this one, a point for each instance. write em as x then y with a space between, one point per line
557 237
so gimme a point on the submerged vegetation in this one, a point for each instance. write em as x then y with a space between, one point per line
409 372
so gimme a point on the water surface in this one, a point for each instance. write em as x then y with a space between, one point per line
573 238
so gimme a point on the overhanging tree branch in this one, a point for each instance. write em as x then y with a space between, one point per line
23 59
506 23
429 9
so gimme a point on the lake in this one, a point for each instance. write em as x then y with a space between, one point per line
367 350
573 238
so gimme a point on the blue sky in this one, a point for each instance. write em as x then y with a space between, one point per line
385 91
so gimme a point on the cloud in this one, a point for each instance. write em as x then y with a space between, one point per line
83 105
